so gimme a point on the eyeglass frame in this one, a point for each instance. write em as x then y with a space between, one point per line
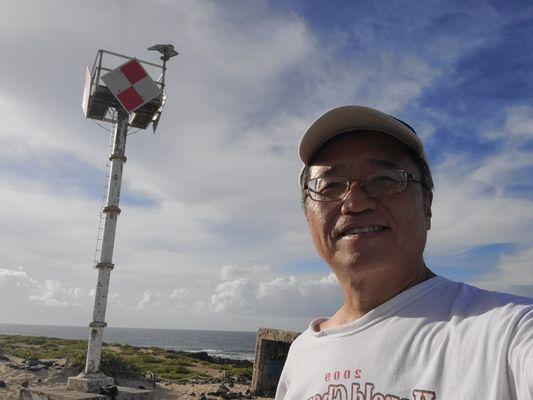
409 177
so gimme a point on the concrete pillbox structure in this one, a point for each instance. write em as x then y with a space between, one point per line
271 349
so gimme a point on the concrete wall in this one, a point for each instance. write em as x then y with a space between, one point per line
271 348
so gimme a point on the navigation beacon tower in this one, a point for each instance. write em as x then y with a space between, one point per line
125 96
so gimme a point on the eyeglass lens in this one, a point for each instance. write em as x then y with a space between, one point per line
382 183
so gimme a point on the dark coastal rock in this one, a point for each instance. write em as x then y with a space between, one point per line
223 394
2 384
231 361
200 355
243 380
233 395
47 363
222 388
35 365
109 390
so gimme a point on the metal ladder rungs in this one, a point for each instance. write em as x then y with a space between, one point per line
98 249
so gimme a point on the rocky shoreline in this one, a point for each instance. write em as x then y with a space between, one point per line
198 376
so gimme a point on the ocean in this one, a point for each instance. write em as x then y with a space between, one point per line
236 345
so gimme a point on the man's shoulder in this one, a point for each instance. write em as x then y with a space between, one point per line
470 299
474 292
305 337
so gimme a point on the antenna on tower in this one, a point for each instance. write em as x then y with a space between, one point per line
126 96
167 51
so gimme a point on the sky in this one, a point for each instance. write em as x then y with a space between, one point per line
211 234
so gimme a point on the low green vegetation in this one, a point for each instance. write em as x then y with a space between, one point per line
39 347
127 361
113 364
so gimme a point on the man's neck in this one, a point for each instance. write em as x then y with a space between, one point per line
363 295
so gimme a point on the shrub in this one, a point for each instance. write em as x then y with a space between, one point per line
112 365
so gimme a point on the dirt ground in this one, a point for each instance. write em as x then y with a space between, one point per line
14 379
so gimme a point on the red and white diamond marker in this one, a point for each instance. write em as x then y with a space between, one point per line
131 85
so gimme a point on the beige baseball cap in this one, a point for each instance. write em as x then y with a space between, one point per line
356 118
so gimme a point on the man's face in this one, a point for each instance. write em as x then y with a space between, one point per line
403 217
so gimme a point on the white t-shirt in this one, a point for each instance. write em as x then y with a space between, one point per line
437 340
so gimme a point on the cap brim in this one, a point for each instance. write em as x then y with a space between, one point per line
355 118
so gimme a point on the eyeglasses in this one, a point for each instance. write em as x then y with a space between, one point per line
381 183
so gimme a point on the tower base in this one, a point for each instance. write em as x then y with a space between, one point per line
89 383
62 393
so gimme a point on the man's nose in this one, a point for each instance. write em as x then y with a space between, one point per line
357 200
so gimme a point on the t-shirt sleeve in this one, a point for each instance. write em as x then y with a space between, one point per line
283 385
284 380
521 357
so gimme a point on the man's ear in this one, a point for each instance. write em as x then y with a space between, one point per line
428 200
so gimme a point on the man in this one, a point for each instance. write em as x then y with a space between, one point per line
402 332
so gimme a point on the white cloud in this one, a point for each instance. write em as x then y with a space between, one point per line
288 296
468 213
219 177
230 272
426 130
309 297
513 274
179 293
226 65
164 303
18 275
282 296
146 300
518 126
52 294
473 205
233 297
20 288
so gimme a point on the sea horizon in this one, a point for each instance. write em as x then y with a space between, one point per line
218 343
130 327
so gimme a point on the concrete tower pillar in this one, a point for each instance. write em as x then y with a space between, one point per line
91 379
